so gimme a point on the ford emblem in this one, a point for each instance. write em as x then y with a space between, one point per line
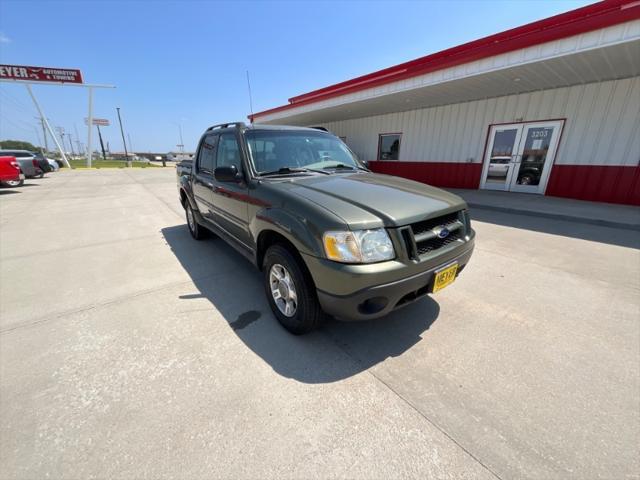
441 232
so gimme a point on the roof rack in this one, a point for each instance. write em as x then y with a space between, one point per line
226 125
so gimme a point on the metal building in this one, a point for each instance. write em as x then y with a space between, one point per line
551 107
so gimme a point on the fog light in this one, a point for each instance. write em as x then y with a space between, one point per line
373 305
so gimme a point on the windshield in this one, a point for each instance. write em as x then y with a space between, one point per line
273 150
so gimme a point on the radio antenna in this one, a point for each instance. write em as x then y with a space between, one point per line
250 99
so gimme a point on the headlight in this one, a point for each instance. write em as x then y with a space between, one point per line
362 246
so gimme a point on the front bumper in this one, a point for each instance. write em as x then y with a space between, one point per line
381 299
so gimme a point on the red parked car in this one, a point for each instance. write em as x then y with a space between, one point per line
10 174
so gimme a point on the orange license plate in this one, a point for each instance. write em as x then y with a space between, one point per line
445 277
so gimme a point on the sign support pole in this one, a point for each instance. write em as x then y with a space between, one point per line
46 122
89 129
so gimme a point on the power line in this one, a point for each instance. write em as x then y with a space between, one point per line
15 125
14 100
28 124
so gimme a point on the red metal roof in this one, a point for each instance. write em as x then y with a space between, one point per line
581 20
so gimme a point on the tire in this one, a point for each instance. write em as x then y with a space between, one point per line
13 183
526 179
196 231
280 266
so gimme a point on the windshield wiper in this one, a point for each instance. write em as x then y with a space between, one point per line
342 166
289 170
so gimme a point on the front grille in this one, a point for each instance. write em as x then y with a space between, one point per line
435 243
443 221
420 240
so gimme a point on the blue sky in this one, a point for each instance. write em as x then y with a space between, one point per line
185 62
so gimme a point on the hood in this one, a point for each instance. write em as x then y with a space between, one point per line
367 200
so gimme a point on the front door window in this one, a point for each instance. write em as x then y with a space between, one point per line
504 143
519 156
534 155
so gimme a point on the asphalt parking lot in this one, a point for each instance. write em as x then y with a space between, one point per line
127 350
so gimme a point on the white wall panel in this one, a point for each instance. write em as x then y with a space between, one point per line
602 125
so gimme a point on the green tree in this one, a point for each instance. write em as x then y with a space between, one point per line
17 145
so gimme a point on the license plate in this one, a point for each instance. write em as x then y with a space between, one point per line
445 277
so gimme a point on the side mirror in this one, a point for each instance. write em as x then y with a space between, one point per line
227 173
365 163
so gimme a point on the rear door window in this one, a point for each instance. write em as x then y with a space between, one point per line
206 155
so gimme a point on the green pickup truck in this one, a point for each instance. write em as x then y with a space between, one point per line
329 236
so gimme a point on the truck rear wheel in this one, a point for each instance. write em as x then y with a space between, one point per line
195 229
290 293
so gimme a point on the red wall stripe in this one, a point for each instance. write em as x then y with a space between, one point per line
612 184
441 174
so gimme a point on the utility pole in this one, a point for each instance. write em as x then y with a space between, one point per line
60 131
130 144
39 141
71 144
78 142
181 146
39 108
44 133
104 155
89 127
126 155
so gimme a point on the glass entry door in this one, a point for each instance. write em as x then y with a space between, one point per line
519 156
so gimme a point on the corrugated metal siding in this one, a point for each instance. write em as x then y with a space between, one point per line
527 61
602 125
615 184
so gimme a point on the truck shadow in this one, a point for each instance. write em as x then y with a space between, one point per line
622 237
336 351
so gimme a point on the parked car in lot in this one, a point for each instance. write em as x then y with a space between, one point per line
43 162
328 234
27 161
499 165
54 165
10 174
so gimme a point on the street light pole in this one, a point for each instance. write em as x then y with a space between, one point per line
126 155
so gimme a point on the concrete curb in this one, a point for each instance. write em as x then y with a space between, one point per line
558 216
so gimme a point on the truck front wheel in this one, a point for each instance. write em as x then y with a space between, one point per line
290 293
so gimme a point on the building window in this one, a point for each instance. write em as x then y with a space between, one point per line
389 146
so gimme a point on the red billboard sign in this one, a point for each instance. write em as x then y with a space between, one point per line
40 74
103 122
